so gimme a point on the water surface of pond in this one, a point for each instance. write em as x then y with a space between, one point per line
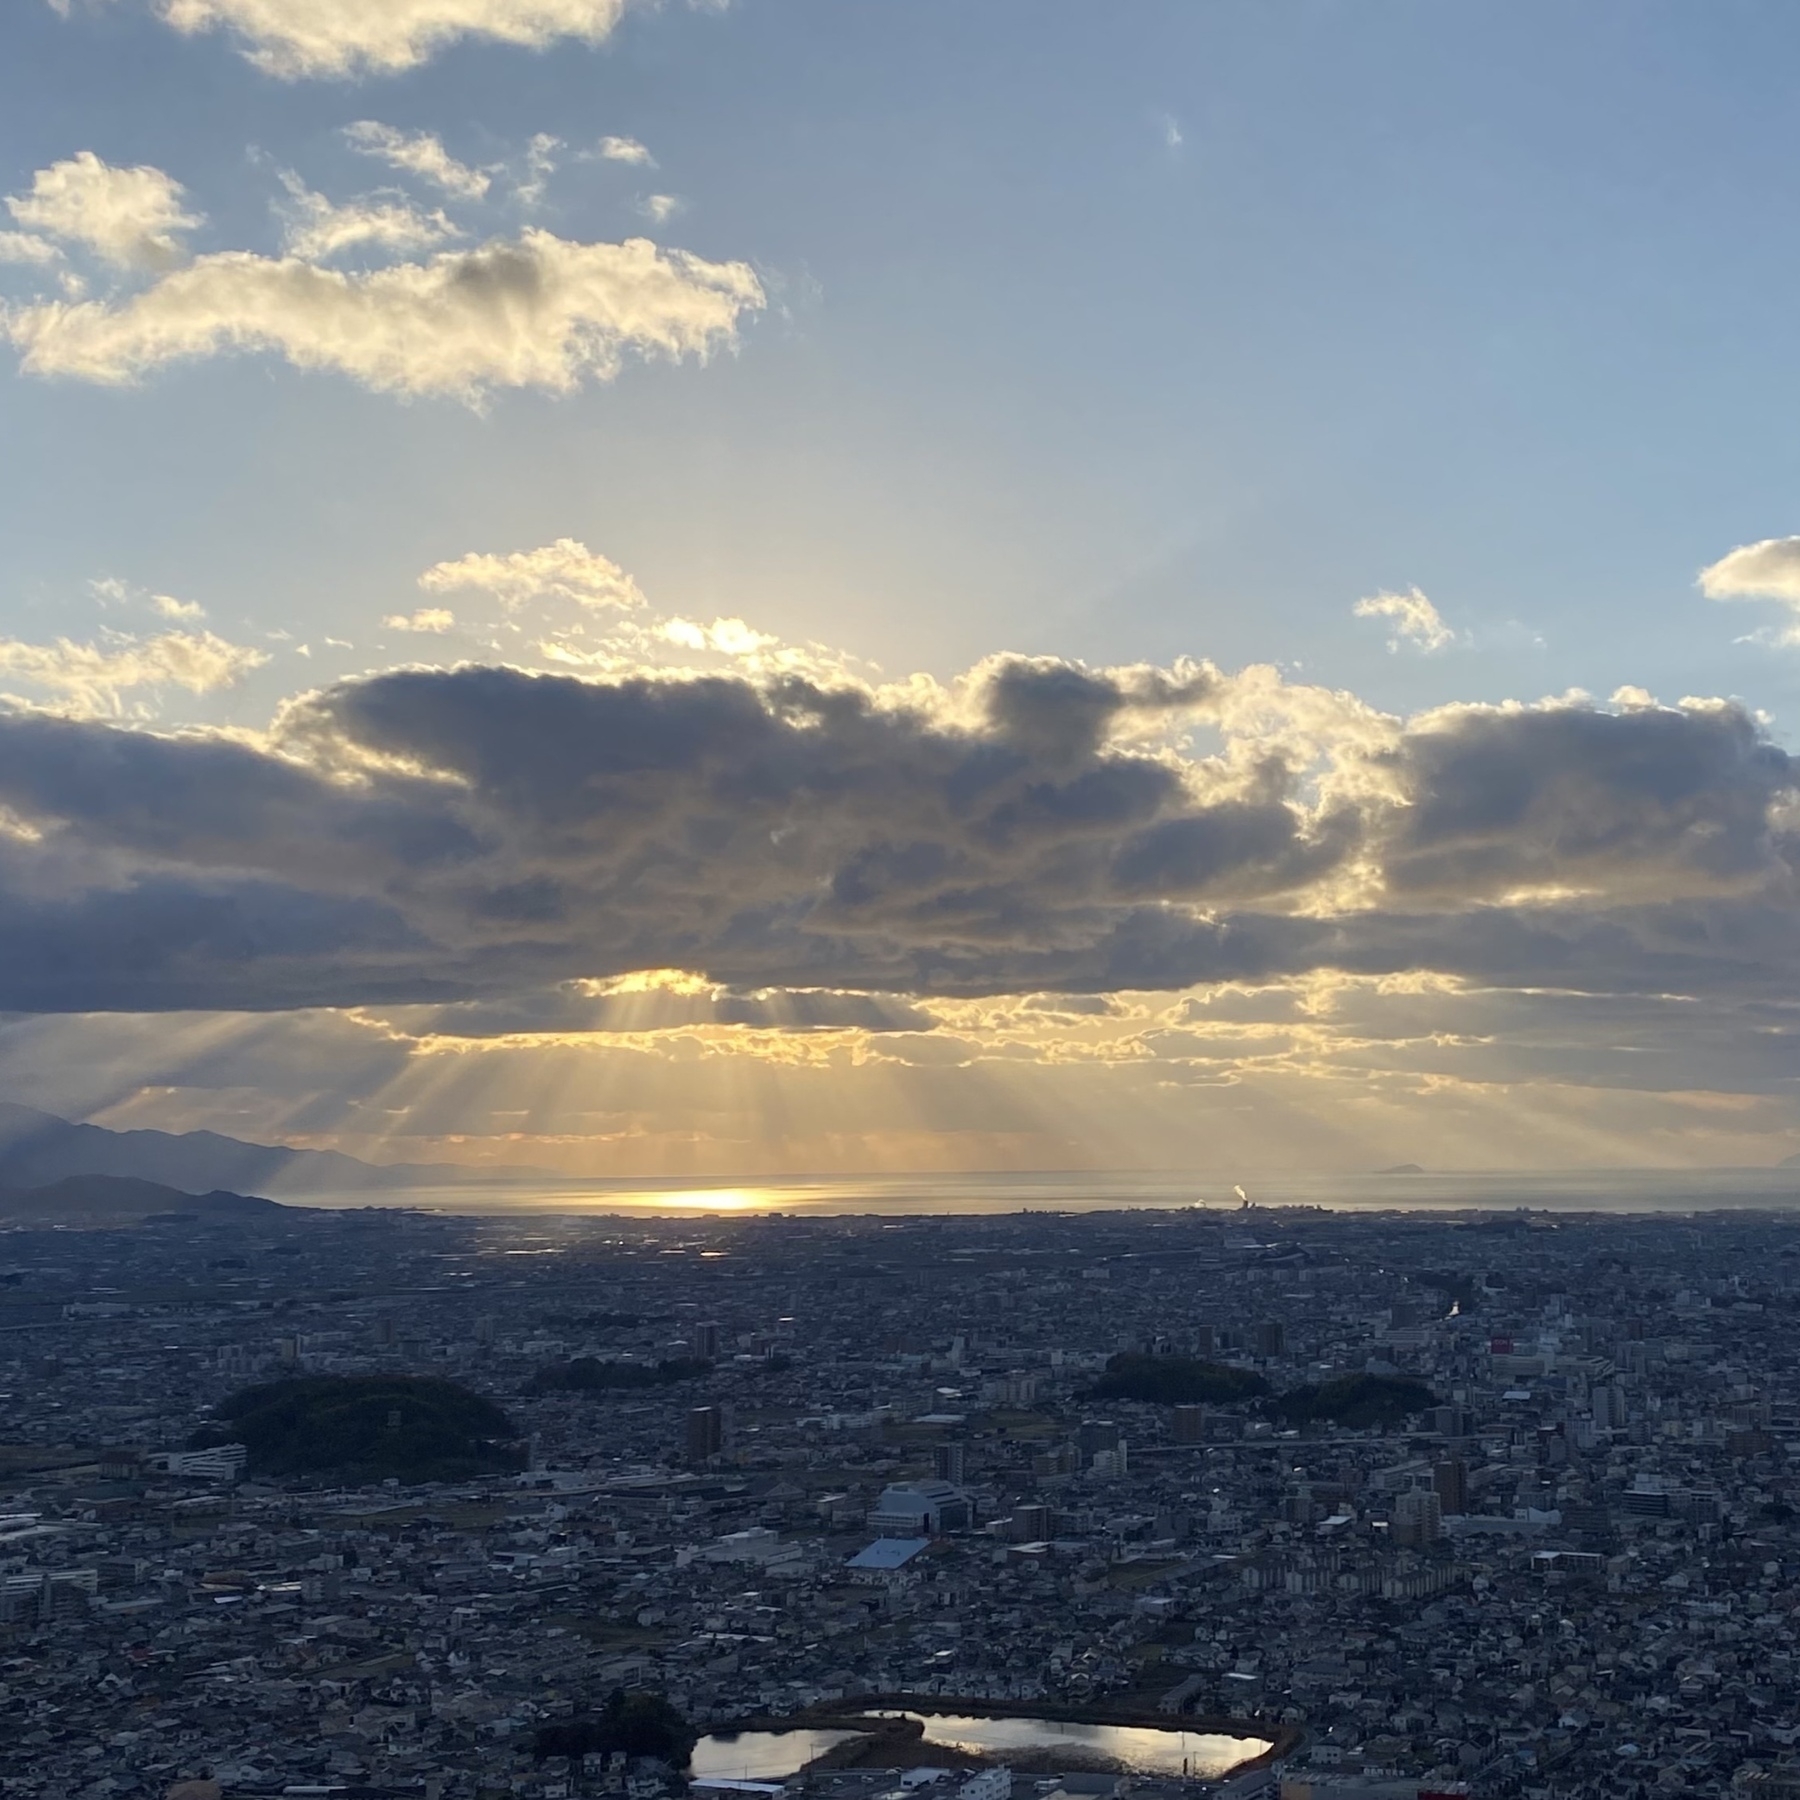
1145 1749
761 1755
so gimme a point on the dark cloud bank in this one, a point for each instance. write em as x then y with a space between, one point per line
469 836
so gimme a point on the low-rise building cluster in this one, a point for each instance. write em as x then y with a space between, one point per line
860 1460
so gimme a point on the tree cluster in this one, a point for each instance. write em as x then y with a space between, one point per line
365 1428
638 1724
1175 1381
1360 1402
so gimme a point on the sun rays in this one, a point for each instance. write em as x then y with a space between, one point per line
716 1100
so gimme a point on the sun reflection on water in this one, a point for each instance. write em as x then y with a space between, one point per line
898 1196
705 1199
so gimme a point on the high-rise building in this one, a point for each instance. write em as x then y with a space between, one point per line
708 1433
1301 1507
1019 1388
1270 1338
1187 1424
1096 1437
1450 1482
1418 1519
704 1340
1608 1404
947 1462
1452 1421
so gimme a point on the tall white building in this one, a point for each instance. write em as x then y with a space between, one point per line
1418 1518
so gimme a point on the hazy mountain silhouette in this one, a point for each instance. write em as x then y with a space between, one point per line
37 1148
122 1200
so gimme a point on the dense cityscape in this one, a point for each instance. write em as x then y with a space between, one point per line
1496 1505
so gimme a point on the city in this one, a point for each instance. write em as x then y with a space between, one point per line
816 1464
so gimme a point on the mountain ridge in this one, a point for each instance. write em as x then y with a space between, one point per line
90 1200
39 1148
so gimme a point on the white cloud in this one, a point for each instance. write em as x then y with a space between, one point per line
613 632
22 247
318 228
1767 570
417 153
1415 620
427 618
564 570
89 679
540 165
659 208
724 637
110 591
537 312
626 150
132 217
294 38
734 642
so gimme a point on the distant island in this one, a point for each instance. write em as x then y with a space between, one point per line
1401 1169
363 1428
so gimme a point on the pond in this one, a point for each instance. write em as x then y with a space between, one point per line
761 1755
1144 1749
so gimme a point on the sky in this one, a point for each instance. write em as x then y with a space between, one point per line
805 586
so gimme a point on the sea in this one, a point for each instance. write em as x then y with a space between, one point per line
1548 1191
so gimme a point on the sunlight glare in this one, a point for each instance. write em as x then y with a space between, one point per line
713 1200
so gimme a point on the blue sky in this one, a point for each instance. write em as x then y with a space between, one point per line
1100 333
1490 301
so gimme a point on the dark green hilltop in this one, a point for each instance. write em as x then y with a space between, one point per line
1358 1402
1175 1381
361 1428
